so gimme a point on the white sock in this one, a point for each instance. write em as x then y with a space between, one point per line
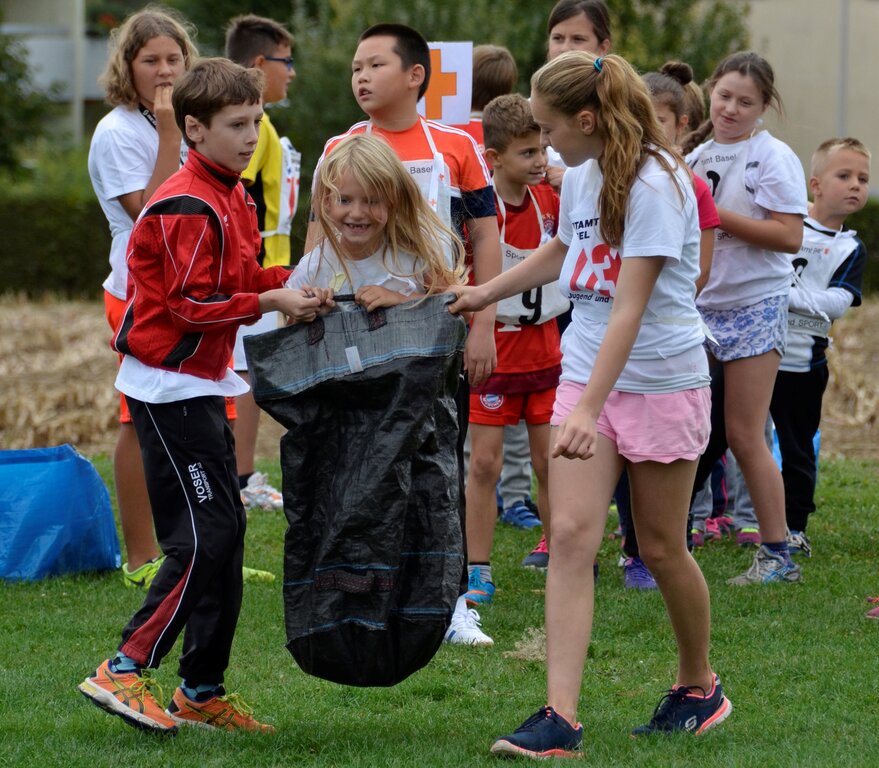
484 571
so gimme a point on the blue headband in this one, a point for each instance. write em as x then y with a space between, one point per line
597 64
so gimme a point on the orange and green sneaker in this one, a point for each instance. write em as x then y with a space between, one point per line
128 695
225 711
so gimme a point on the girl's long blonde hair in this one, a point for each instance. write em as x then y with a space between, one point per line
610 88
412 226
127 40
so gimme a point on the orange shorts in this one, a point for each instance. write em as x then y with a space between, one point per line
501 410
113 310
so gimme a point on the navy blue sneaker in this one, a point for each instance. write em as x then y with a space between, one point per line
538 558
682 709
521 515
544 734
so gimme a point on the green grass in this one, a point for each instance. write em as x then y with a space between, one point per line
798 662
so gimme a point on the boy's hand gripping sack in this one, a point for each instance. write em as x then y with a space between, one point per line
373 553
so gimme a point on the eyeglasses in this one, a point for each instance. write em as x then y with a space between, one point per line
288 60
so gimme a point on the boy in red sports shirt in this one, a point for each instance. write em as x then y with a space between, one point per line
523 384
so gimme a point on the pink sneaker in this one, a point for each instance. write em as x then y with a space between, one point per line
748 537
697 537
718 527
873 613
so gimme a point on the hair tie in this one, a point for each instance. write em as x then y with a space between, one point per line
597 64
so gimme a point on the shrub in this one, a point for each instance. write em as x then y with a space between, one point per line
866 222
53 243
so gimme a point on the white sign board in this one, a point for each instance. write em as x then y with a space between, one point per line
451 84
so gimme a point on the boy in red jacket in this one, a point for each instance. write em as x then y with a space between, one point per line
193 280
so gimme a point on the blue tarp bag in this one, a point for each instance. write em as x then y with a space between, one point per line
55 515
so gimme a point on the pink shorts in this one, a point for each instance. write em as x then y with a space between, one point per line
658 427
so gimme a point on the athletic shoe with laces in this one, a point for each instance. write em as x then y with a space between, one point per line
256 576
717 527
537 558
697 537
873 613
683 709
141 578
768 567
258 494
521 515
545 734
223 711
128 695
479 592
748 537
637 575
798 544
464 629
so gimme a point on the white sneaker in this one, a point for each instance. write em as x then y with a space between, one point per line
768 567
258 494
465 630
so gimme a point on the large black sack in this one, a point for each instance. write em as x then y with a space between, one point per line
373 554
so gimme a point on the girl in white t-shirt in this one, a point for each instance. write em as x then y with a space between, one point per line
760 191
574 25
133 150
378 238
634 384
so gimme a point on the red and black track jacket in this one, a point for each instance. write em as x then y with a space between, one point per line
193 278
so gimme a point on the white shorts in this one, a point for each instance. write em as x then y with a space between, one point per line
270 321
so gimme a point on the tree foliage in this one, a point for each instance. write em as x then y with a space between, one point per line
23 108
647 32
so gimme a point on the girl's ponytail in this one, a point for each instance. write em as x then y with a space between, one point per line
626 116
694 138
610 87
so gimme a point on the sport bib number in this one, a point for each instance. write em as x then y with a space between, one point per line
532 300
602 278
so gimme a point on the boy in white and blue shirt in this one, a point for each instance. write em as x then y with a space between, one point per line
828 271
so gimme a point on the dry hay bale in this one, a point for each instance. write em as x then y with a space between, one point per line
58 375
851 403
58 371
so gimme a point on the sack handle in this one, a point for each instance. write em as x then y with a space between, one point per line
376 319
315 331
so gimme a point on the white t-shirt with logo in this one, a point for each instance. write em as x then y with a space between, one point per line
323 269
662 222
751 177
122 158
821 255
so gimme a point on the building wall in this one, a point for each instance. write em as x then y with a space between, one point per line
825 54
